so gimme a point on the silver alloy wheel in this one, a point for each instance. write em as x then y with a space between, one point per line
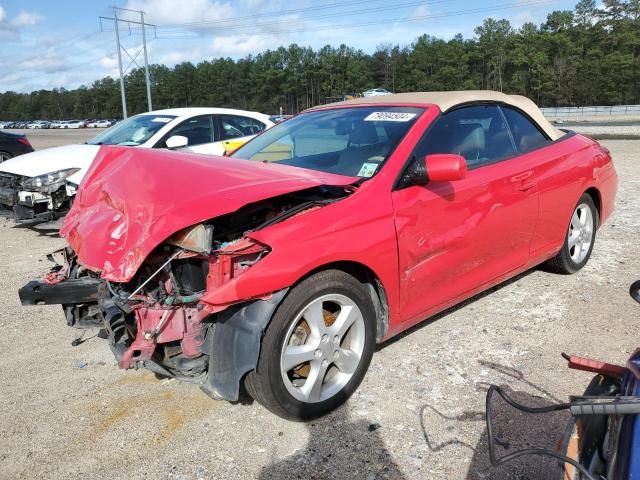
322 348
580 233
4 156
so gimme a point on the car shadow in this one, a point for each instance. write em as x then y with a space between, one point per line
44 229
338 448
454 308
514 430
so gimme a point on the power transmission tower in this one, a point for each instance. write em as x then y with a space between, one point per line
120 48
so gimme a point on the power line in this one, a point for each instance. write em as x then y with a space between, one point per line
272 13
78 38
506 6
328 15
90 51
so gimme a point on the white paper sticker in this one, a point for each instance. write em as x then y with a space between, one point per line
367 169
389 117
162 119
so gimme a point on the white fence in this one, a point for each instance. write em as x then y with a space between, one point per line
553 112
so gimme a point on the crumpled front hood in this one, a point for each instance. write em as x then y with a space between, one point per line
131 200
50 160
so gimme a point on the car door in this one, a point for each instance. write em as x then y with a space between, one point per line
454 238
198 131
558 185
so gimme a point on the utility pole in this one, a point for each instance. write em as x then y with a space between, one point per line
122 93
146 62
117 20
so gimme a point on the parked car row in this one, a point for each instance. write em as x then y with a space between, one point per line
278 268
43 124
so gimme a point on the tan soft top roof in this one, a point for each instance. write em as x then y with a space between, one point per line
448 100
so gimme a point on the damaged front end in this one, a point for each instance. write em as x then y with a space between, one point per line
45 197
157 319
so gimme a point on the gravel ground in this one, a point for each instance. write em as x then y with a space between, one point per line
596 118
52 138
603 131
68 412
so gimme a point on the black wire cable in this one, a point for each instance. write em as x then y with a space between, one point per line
527 451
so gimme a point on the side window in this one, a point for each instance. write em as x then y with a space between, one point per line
526 135
198 130
235 126
478 133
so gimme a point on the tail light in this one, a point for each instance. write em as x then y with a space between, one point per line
24 141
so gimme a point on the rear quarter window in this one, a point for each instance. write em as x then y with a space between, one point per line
526 135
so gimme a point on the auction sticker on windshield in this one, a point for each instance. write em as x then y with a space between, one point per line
367 169
389 117
162 119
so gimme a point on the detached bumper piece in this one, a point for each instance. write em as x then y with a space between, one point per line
72 291
25 208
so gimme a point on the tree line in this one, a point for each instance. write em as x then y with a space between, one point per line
584 56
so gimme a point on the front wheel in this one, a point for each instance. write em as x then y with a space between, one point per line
317 348
581 235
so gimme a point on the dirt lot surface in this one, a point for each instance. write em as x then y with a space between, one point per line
47 138
69 412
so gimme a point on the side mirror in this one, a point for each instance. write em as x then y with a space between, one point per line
634 291
444 167
176 141
438 167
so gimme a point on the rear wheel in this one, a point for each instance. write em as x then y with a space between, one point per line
5 156
317 347
578 243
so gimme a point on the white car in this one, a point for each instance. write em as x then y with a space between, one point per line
99 124
374 92
42 184
36 125
73 124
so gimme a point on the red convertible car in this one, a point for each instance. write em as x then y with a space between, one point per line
279 268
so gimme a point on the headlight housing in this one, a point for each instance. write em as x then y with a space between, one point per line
198 239
49 182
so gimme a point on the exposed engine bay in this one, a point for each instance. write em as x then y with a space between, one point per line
155 320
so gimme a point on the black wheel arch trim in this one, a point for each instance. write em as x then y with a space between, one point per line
233 344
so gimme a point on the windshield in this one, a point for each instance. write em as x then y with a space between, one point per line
345 141
133 131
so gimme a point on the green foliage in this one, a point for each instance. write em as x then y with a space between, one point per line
583 57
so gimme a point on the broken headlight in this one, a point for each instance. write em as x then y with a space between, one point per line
196 239
49 182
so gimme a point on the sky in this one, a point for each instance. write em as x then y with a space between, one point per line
46 44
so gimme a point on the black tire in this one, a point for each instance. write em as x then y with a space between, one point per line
562 262
266 384
5 156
